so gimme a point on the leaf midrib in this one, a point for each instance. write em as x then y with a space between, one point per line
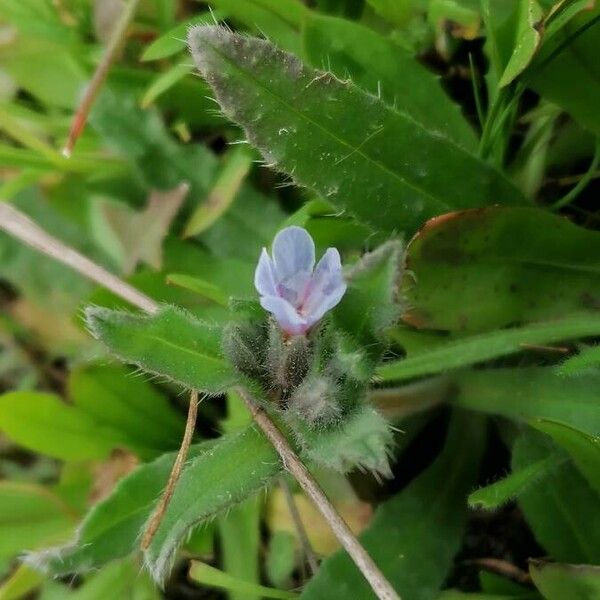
354 149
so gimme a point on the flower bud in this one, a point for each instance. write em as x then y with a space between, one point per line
243 345
288 360
315 401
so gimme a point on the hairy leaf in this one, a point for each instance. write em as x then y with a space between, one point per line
344 143
237 467
482 269
382 67
563 512
504 490
584 449
474 349
171 343
111 528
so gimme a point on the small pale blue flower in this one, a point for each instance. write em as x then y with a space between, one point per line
291 288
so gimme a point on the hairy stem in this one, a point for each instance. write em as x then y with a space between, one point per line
24 229
161 507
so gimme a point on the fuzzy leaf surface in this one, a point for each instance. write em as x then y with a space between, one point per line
171 343
380 66
336 139
563 512
235 468
473 349
584 449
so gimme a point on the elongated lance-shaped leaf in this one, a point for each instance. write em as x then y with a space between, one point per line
338 140
111 528
239 466
171 343
477 348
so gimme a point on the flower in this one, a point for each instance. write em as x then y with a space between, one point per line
295 294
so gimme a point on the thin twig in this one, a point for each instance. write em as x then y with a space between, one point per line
381 586
112 49
502 567
21 227
307 548
161 507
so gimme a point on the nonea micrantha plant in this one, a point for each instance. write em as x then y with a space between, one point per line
300 356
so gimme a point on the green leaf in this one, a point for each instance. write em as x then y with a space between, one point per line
563 513
586 359
371 304
381 67
510 487
397 12
199 286
566 66
531 393
478 348
31 516
21 582
111 528
114 398
527 40
235 169
480 270
165 81
237 588
141 137
343 143
559 581
239 531
235 469
422 526
173 41
281 558
170 343
44 423
584 449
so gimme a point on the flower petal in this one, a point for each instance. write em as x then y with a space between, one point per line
264 276
326 288
293 252
285 314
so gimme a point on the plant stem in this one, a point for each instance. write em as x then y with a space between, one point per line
114 45
307 548
24 229
161 507
582 183
292 463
